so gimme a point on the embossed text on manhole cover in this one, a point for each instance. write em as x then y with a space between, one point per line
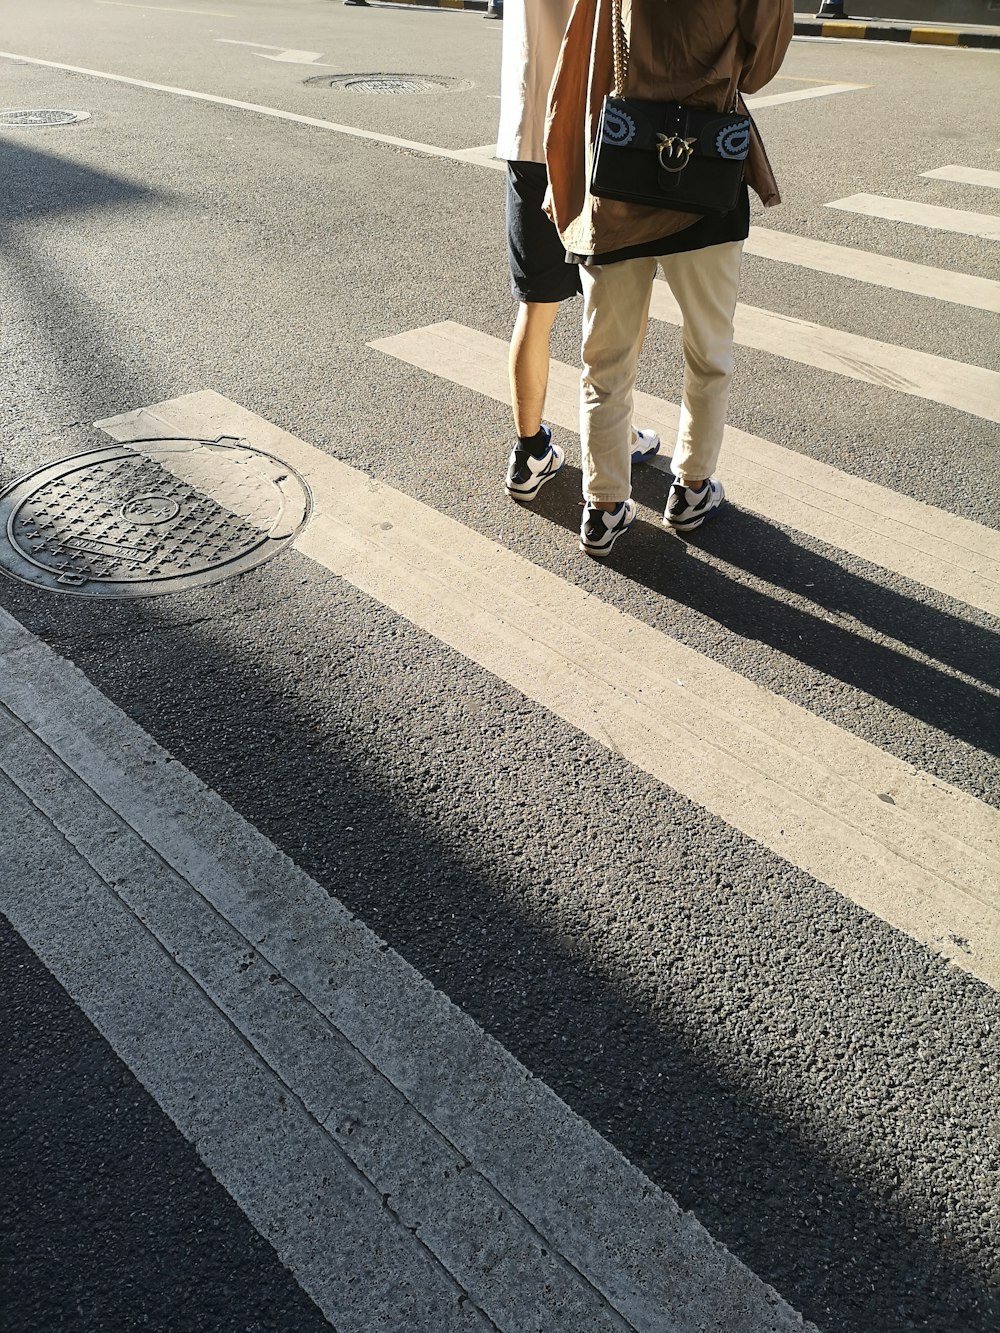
149 517
392 85
33 119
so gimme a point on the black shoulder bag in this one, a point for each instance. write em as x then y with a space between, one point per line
663 154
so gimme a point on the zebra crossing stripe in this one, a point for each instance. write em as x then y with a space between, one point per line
941 284
968 388
926 545
913 850
957 220
965 176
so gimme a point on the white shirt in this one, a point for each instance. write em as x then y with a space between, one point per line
532 35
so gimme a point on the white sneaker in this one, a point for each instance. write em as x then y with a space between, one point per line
526 474
601 528
687 509
645 445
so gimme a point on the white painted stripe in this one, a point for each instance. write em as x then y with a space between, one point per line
922 215
394 1154
803 94
923 544
878 270
429 150
915 851
484 156
971 389
802 78
166 9
965 176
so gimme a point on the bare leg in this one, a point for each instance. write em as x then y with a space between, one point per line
529 364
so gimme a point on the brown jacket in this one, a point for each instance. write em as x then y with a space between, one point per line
701 52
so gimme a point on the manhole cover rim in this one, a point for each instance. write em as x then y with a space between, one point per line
68 117
435 83
295 511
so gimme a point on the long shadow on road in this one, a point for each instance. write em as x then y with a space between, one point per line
367 787
913 685
602 952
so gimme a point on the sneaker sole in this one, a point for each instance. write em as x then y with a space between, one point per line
527 496
696 523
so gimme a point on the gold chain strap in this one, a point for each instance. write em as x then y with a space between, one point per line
619 47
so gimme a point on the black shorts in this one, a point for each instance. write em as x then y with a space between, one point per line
538 268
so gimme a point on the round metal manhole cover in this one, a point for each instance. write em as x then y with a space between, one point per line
392 85
25 120
150 517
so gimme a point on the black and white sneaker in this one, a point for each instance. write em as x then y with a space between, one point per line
601 528
687 509
645 445
526 474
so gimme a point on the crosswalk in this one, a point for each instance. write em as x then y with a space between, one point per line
906 537
922 855
285 993
907 847
946 553
945 845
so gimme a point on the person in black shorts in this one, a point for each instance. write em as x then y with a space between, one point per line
541 277
540 280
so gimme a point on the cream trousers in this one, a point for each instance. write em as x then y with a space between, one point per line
615 308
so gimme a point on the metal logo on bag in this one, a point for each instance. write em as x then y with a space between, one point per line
619 127
673 151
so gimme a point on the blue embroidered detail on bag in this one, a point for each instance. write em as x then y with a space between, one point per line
734 143
619 127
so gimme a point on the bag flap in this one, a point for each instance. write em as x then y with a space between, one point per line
629 123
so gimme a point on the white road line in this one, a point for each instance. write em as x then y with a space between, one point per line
971 389
476 156
428 150
802 78
166 9
405 1167
909 848
803 94
483 156
878 270
922 215
924 544
965 176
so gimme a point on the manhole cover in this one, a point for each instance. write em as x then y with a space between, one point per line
391 84
150 517
32 119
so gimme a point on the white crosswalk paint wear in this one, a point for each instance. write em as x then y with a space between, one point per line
920 854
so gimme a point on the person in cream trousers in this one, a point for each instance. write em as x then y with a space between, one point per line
701 53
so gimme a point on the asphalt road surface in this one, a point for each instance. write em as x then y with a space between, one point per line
430 928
